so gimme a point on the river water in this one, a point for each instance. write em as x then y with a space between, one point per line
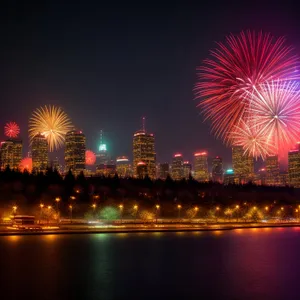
238 264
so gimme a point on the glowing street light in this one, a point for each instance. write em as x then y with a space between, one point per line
179 210
14 209
41 211
121 212
266 208
71 212
217 211
237 215
72 197
49 209
157 206
135 207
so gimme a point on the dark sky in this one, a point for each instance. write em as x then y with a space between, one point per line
109 63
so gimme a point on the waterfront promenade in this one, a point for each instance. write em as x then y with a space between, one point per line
55 228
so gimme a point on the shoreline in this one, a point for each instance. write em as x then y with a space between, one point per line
93 230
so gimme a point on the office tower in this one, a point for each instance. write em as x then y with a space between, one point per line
201 166
261 178
187 169
107 170
164 170
177 167
144 151
102 156
141 170
217 169
243 165
11 153
75 151
272 170
229 177
123 166
39 153
294 168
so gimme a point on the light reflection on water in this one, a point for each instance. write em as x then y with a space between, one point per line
239 264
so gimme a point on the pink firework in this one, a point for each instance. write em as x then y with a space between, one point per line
26 164
11 129
253 140
239 65
90 158
275 109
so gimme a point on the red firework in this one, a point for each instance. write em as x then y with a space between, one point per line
26 164
11 129
243 62
90 158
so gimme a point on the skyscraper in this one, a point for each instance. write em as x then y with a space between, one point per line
243 165
272 170
201 166
294 168
164 171
123 166
144 151
177 167
11 153
187 169
102 156
39 153
217 169
75 151
141 170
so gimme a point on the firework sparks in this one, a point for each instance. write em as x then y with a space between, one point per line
11 129
245 61
253 140
26 164
52 122
90 158
275 108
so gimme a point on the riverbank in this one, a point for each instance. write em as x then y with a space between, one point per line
86 229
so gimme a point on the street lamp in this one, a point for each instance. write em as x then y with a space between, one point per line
94 208
57 199
217 212
121 212
135 207
179 209
71 212
237 215
41 211
49 209
15 209
157 210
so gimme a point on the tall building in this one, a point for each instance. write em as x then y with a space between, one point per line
123 166
229 177
75 151
106 170
187 169
102 156
243 165
39 153
11 153
141 170
164 170
272 170
201 166
294 168
217 169
177 167
144 151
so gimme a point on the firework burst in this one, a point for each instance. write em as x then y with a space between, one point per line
90 158
236 67
52 122
11 129
253 140
26 164
275 109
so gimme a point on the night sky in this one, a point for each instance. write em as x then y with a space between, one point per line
107 64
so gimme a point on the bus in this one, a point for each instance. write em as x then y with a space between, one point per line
24 222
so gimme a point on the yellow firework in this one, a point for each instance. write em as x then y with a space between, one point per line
52 122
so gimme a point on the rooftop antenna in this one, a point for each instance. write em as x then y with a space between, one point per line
101 136
144 121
